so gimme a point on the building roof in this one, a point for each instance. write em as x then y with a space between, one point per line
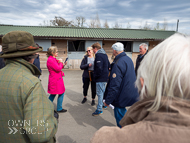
87 33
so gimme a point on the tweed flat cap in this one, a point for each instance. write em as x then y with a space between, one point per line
17 44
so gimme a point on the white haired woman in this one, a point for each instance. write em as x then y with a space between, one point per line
87 65
163 114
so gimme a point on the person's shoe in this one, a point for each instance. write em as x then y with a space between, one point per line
105 107
93 103
62 111
84 100
97 113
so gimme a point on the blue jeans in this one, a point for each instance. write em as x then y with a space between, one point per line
119 113
100 89
59 100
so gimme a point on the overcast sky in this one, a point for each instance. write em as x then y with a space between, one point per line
136 12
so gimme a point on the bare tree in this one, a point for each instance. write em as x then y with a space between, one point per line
45 23
80 20
128 25
106 24
157 26
117 25
92 23
165 25
60 21
147 26
98 24
95 22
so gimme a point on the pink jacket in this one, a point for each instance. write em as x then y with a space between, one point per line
55 83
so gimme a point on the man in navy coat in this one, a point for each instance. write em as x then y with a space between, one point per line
121 91
101 72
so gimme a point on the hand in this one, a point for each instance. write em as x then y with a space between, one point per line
90 65
60 60
65 63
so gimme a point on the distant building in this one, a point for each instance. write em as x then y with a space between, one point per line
73 41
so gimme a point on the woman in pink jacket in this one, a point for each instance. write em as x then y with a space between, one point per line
55 83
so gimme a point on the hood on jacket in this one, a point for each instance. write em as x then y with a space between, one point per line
101 51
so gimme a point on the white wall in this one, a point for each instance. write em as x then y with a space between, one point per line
136 45
43 43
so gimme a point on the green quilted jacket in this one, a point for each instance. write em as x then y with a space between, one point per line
26 114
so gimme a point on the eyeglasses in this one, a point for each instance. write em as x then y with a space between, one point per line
88 51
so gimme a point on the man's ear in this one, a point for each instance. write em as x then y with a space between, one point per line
142 82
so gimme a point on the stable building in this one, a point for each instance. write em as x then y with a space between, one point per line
72 42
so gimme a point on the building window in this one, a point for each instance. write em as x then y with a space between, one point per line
127 45
76 46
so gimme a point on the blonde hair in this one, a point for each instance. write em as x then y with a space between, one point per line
91 50
51 50
166 71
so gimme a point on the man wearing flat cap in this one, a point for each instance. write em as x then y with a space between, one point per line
120 90
26 114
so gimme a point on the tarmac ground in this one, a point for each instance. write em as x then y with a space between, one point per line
77 125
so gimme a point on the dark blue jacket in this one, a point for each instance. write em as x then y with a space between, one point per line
37 63
121 90
138 61
84 66
101 66
2 62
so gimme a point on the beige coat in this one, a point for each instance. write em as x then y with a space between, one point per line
170 124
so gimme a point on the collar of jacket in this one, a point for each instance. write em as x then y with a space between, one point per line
101 51
119 56
140 56
85 56
173 112
28 66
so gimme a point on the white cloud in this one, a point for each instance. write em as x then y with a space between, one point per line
40 15
32 1
85 2
55 6
126 3
34 12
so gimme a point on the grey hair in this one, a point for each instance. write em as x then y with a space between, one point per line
166 71
144 45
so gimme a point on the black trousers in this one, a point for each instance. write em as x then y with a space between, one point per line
86 82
